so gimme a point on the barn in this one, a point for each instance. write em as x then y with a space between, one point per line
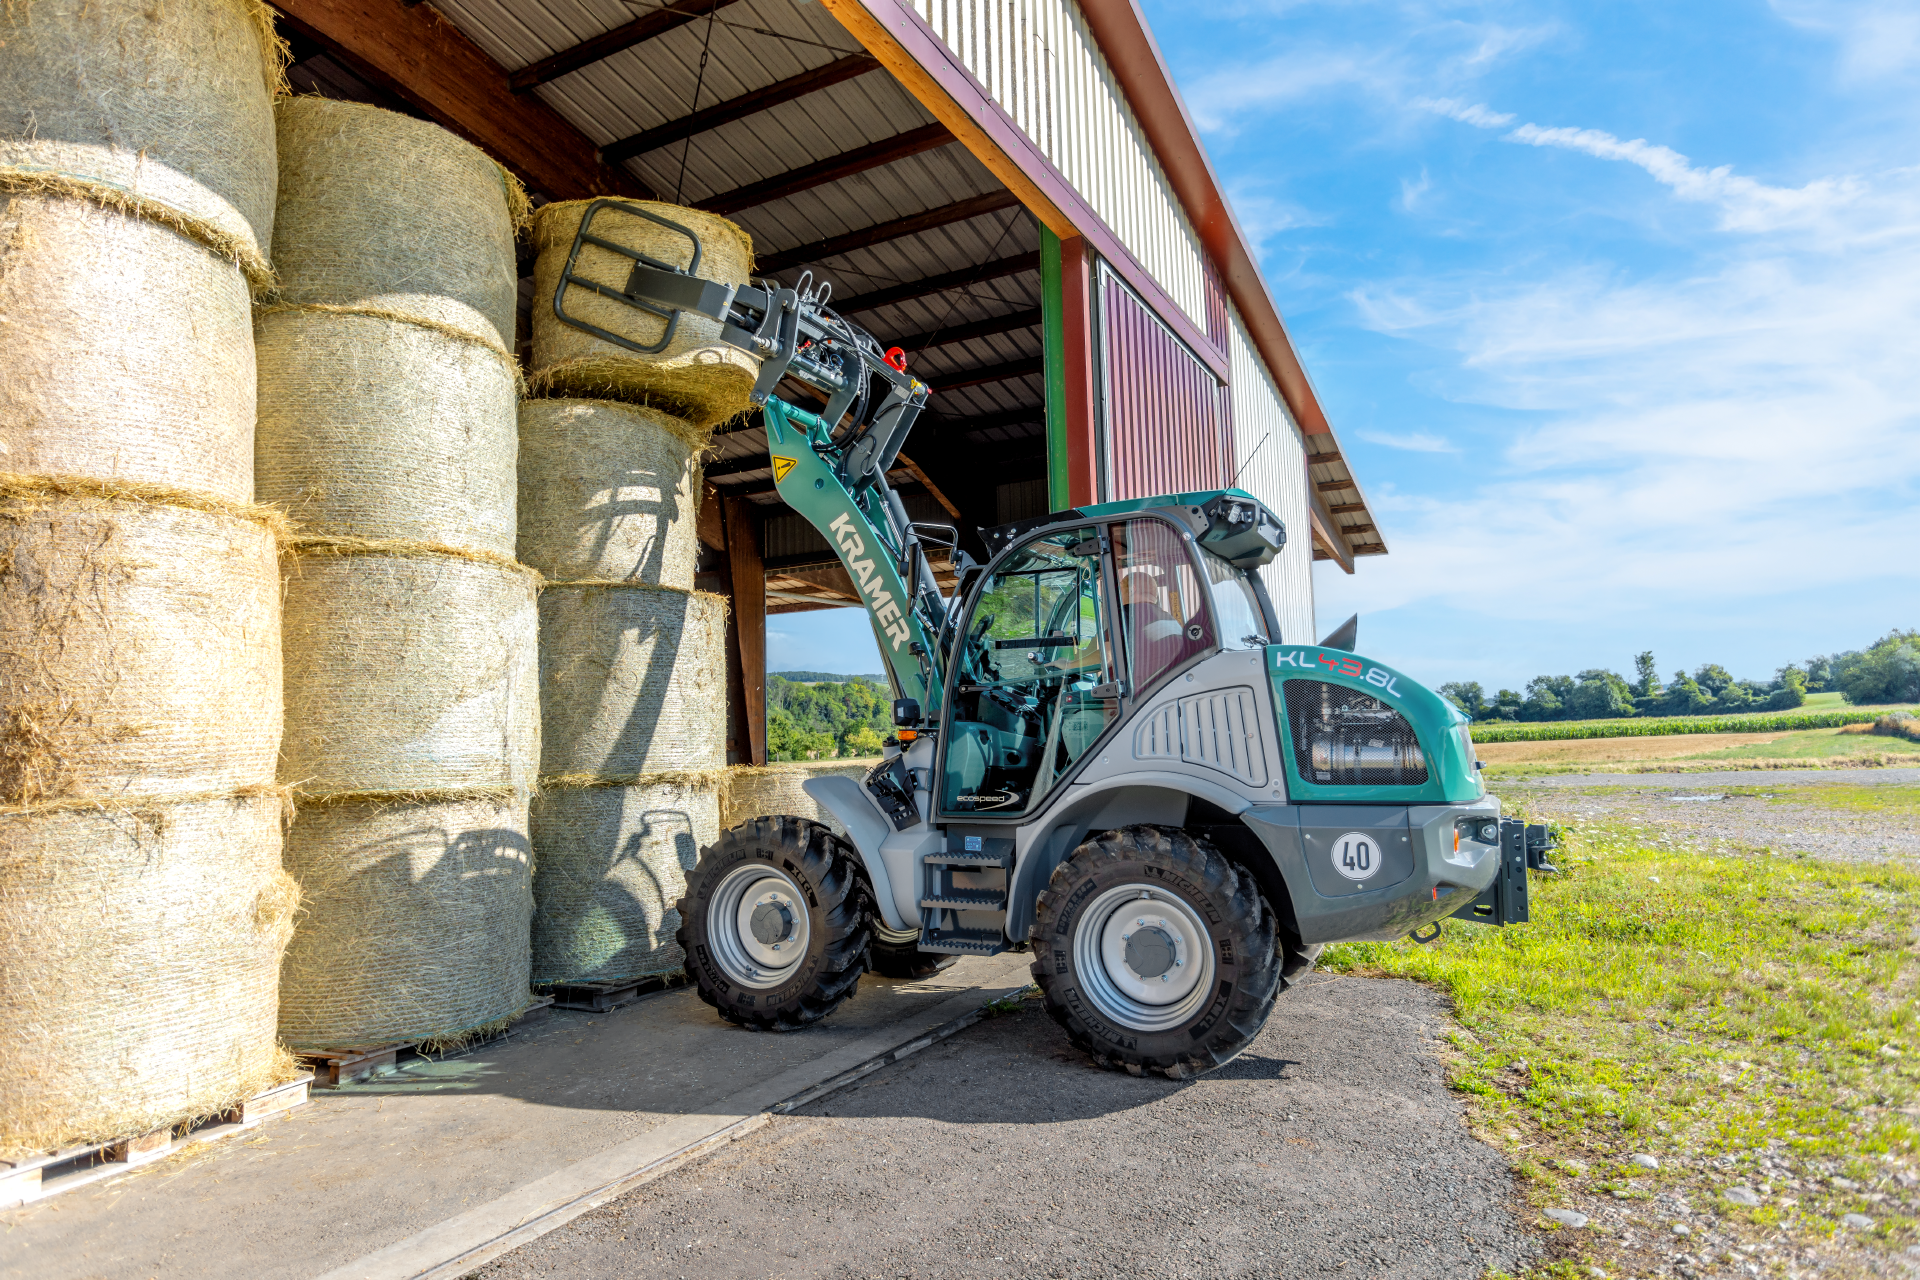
1009 190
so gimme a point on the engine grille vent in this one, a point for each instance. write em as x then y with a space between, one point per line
1345 738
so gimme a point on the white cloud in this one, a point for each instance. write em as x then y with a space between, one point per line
1697 442
1411 441
1472 113
1413 192
1876 38
1745 204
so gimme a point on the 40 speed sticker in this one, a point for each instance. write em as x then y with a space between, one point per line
1356 856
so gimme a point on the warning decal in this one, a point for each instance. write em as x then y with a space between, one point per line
781 466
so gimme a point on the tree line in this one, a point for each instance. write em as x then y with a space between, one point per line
1888 671
837 717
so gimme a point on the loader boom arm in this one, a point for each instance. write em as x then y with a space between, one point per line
831 466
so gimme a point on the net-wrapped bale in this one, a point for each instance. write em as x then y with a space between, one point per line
695 375
610 865
778 789
166 108
378 428
415 919
128 351
632 681
409 671
383 212
139 966
143 645
609 491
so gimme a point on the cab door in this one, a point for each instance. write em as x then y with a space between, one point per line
1037 678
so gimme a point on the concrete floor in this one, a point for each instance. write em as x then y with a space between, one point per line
367 1167
1331 1148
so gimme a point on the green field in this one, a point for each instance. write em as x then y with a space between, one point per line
1816 744
1694 1005
1666 726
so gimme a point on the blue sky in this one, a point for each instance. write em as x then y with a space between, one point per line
1613 306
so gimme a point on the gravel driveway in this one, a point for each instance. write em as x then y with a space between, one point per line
1331 1148
1704 808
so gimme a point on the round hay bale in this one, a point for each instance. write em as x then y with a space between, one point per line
384 212
609 492
409 672
139 966
632 681
610 866
167 108
694 376
129 351
414 924
143 653
378 428
771 791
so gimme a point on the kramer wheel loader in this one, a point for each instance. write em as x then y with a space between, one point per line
1106 751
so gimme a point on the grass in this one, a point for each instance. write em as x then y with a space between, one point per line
1665 726
1817 744
1745 1018
1885 801
1833 700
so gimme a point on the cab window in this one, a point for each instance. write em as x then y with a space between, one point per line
1034 655
1163 601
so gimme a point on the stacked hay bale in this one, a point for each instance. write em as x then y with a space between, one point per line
751 792
143 907
387 430
632 689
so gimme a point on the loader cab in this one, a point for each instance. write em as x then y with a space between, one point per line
1077 617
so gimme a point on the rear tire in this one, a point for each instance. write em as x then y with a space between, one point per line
775 923
1155 952
905 959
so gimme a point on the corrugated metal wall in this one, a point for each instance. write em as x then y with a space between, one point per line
1272 464
1040 62
1163 425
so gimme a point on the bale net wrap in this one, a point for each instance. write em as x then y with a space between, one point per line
608 492
163 108
379 428
143 653
632 681
128 352
408 670
610 865
415 919
139 966
383 212
694 376
775 790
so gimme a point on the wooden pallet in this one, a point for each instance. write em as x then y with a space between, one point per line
347 1063
37 1178
598 997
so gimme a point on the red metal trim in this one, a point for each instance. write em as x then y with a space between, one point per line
1135 60
1077 339
933 73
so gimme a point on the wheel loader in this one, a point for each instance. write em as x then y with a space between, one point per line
1106 752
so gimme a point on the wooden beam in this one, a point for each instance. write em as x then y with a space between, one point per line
914 470
946 280
832 169
968 332
1326 534
420 57
898 228
739 108
968 424
991 373
1333 486
1320 459
1347 508
1352 530
749 617
677 13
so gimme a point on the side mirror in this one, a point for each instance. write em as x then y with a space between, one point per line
906 712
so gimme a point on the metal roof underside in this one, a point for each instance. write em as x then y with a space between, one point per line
749 45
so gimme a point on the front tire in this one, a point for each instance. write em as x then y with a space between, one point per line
903 958
775 924
1155 952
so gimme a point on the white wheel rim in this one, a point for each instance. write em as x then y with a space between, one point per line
757 926
1144 958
